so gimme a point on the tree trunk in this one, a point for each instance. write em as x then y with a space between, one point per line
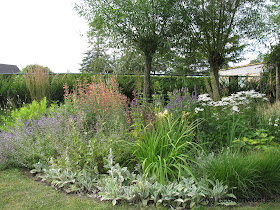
215 83
147 80
277 82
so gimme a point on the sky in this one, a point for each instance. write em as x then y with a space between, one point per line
45 32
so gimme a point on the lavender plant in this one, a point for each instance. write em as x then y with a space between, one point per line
178 101
59 136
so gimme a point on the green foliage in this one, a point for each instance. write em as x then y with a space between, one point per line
96 60
34 66
26 113
161 84
254 174
216 29
223 122
147 25
163 148
13 88
260 139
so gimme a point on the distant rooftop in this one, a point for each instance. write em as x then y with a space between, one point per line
8 69
246 70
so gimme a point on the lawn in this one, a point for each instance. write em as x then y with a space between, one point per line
18 190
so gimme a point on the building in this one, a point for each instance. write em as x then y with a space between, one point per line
247 70
240 75
8 69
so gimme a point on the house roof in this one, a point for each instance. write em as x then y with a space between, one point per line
8 69
250 69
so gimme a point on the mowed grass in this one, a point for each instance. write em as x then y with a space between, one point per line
19 191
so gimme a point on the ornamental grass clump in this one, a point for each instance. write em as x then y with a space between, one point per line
165 147
37 82
269 115
253 174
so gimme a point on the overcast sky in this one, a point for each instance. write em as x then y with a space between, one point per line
44 32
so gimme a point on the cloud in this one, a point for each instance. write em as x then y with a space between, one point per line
45 32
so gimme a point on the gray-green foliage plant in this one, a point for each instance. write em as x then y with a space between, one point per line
121 184
82 181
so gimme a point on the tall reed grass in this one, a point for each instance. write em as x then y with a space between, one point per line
37 82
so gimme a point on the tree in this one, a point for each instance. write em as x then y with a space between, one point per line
143 24
96 60
217 28
274 56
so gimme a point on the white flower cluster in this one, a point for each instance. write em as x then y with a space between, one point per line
232 101
275 123
197 109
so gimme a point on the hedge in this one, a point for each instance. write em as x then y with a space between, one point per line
13 87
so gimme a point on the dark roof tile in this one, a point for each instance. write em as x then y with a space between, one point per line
8 69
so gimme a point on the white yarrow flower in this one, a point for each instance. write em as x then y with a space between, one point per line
197 109
235 109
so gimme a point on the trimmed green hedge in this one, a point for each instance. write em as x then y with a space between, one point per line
13 86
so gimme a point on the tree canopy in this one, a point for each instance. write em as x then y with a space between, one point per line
216 30
206 32
145 25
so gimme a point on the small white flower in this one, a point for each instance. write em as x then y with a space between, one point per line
197 109
162 114
235 109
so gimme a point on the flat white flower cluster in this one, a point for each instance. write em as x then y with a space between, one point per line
197 109
275 123
233 101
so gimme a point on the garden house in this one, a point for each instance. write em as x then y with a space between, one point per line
8 69
241 74
246 70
